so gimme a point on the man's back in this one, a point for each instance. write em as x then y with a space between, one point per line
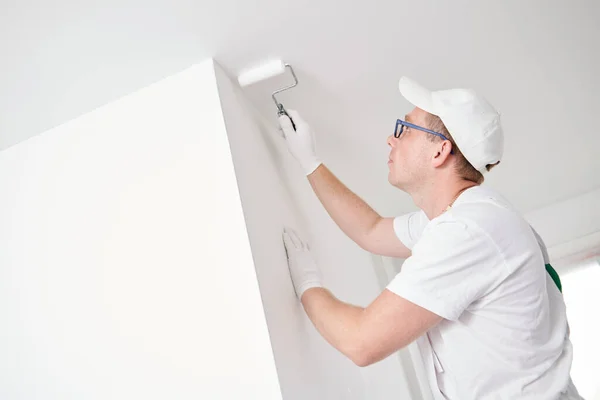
480 267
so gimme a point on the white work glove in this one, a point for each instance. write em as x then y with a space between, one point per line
300 142
304 271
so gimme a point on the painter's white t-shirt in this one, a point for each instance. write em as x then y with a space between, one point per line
504 334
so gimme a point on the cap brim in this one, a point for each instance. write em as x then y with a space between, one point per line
416 94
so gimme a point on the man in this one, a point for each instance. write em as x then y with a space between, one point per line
488 318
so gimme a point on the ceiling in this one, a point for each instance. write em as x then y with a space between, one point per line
536 61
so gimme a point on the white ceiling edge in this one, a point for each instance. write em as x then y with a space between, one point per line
571 255
567 220
536 61
570 229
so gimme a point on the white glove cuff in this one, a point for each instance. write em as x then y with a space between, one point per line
307 285
310 166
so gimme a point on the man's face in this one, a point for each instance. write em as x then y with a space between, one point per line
410 154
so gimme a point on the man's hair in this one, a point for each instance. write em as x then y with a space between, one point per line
463 167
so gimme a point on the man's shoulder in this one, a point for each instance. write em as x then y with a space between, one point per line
485 209
452 229
487 219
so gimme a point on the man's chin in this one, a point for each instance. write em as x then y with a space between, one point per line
395 182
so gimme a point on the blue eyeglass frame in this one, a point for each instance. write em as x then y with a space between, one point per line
420 128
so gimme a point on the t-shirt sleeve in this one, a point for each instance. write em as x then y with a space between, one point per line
409 227
451 266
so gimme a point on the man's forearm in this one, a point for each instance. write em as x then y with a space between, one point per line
338 322
352 214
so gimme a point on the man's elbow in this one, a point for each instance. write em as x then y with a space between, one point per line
362 356
363 361
368 354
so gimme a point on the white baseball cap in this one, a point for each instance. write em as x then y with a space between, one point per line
471 120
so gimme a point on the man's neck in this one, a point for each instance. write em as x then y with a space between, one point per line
435 198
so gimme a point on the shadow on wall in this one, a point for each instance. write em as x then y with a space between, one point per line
275 193
307 366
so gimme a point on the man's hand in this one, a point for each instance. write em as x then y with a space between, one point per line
303 269
300 142
365 335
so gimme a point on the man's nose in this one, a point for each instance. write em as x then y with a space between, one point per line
391 141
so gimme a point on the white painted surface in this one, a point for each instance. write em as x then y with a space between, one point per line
580 289
535 60
125 267
274 194
570 228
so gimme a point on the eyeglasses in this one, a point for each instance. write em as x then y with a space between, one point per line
400 128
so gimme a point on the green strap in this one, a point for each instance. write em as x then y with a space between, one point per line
554 276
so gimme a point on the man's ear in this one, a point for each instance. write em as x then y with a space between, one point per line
442 153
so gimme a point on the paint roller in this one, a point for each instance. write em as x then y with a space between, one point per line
268 70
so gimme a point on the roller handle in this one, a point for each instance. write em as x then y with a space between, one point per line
281 111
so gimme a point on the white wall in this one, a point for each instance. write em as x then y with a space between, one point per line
570 229
274 194
125 267
580 290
